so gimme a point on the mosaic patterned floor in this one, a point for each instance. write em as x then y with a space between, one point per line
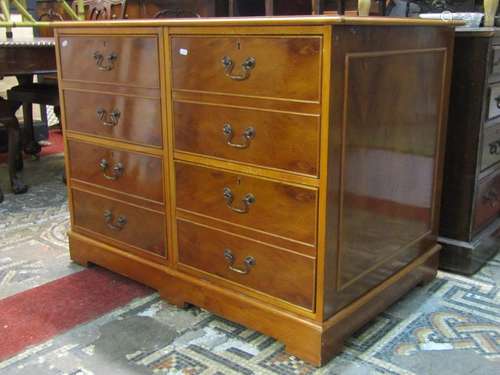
451 326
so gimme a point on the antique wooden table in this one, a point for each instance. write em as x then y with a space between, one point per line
21 58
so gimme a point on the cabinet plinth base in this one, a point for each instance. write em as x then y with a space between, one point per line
467 258
313 341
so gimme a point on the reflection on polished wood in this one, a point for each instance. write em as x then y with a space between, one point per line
301 166
197 65
280 209
389 159
281 140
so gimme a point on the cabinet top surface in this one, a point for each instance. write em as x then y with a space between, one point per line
475 32
262 21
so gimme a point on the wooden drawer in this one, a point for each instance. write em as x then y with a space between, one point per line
124 60
281 67
275 208
270 139
135 226
124 171
494 101
274 271
491 146
127 118
487 201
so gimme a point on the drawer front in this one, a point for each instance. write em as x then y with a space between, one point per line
276 208
130 119
124 171
491 146
487 201
495 63
268 269
269 139
124 60
132 225
281 67
494 102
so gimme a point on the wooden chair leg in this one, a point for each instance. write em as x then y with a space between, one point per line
14 134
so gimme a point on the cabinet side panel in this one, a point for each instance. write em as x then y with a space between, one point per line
390 95
467 94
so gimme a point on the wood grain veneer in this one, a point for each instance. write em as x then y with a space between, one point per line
133 175
282 140
280 209
277 271
337 190
126 60
143 229
138 120
196 65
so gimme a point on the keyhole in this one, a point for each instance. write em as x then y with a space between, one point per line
238 44
238 180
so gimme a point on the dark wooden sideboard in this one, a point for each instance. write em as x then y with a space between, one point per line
284 173
470 227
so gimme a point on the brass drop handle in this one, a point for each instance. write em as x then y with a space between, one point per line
246 67
491 198
248 135
117 170
494 148
105 63
110 120
248 263
497 100
118 225
248 200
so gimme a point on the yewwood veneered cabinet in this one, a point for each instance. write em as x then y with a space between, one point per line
283 173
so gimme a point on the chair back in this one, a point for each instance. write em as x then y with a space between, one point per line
102 9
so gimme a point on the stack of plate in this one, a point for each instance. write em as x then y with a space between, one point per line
470 19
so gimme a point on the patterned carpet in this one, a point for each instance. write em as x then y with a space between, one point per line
451 326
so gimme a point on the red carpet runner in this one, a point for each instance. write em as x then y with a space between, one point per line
38 314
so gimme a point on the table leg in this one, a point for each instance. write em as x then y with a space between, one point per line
8 118
30 146
16 183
